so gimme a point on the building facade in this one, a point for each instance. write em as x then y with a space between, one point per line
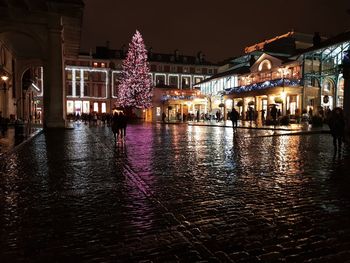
296 78
92 81
36 35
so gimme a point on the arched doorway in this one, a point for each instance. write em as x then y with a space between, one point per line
46 34
20 53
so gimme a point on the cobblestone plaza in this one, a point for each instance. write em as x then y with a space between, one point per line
175 193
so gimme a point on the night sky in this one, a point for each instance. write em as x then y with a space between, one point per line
220 29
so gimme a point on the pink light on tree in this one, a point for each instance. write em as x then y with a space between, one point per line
135 89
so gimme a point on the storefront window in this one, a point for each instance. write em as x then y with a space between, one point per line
78 107
340 99
96 106
103 108
86 107
70 105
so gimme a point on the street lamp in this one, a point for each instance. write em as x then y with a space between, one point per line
4 78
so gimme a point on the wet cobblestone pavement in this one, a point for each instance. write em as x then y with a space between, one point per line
175 193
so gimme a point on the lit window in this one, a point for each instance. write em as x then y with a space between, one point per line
265 65
95 64
70 104
103 109
69 75
103 65
96 106
86 106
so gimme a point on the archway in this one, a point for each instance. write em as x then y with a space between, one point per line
20 51
28 49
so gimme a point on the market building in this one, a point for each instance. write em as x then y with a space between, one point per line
323 71
92 81
295 72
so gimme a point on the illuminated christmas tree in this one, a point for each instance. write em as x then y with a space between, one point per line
135 88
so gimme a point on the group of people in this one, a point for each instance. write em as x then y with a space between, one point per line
118 124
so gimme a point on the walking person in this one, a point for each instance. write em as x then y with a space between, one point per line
337 125
115 126
234 115
262 116
123 124
274 114
250 115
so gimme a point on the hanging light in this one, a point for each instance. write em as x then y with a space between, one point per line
4 77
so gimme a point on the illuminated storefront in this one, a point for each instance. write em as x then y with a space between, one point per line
87 89
322 71
178 105
271 81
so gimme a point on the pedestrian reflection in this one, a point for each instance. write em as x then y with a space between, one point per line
120 147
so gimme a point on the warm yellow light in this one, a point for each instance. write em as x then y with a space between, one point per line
283 95
228 103
4 78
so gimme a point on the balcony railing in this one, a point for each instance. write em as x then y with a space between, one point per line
264 85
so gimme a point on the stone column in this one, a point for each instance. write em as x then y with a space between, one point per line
54 92
346 75
244 109
182 111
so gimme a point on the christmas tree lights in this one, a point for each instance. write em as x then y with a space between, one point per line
135 89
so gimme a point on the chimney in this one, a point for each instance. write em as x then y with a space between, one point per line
316 39
177 54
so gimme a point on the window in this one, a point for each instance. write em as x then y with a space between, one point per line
197 79
96 106
95 64
86 91
86 75
103 107
78 106
160 80
86 106
265 65
99 91
69 89
186 69
77 89
103 65
173 81
70 106
95 76
198 70
77 75
327 85
186 82
69 75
